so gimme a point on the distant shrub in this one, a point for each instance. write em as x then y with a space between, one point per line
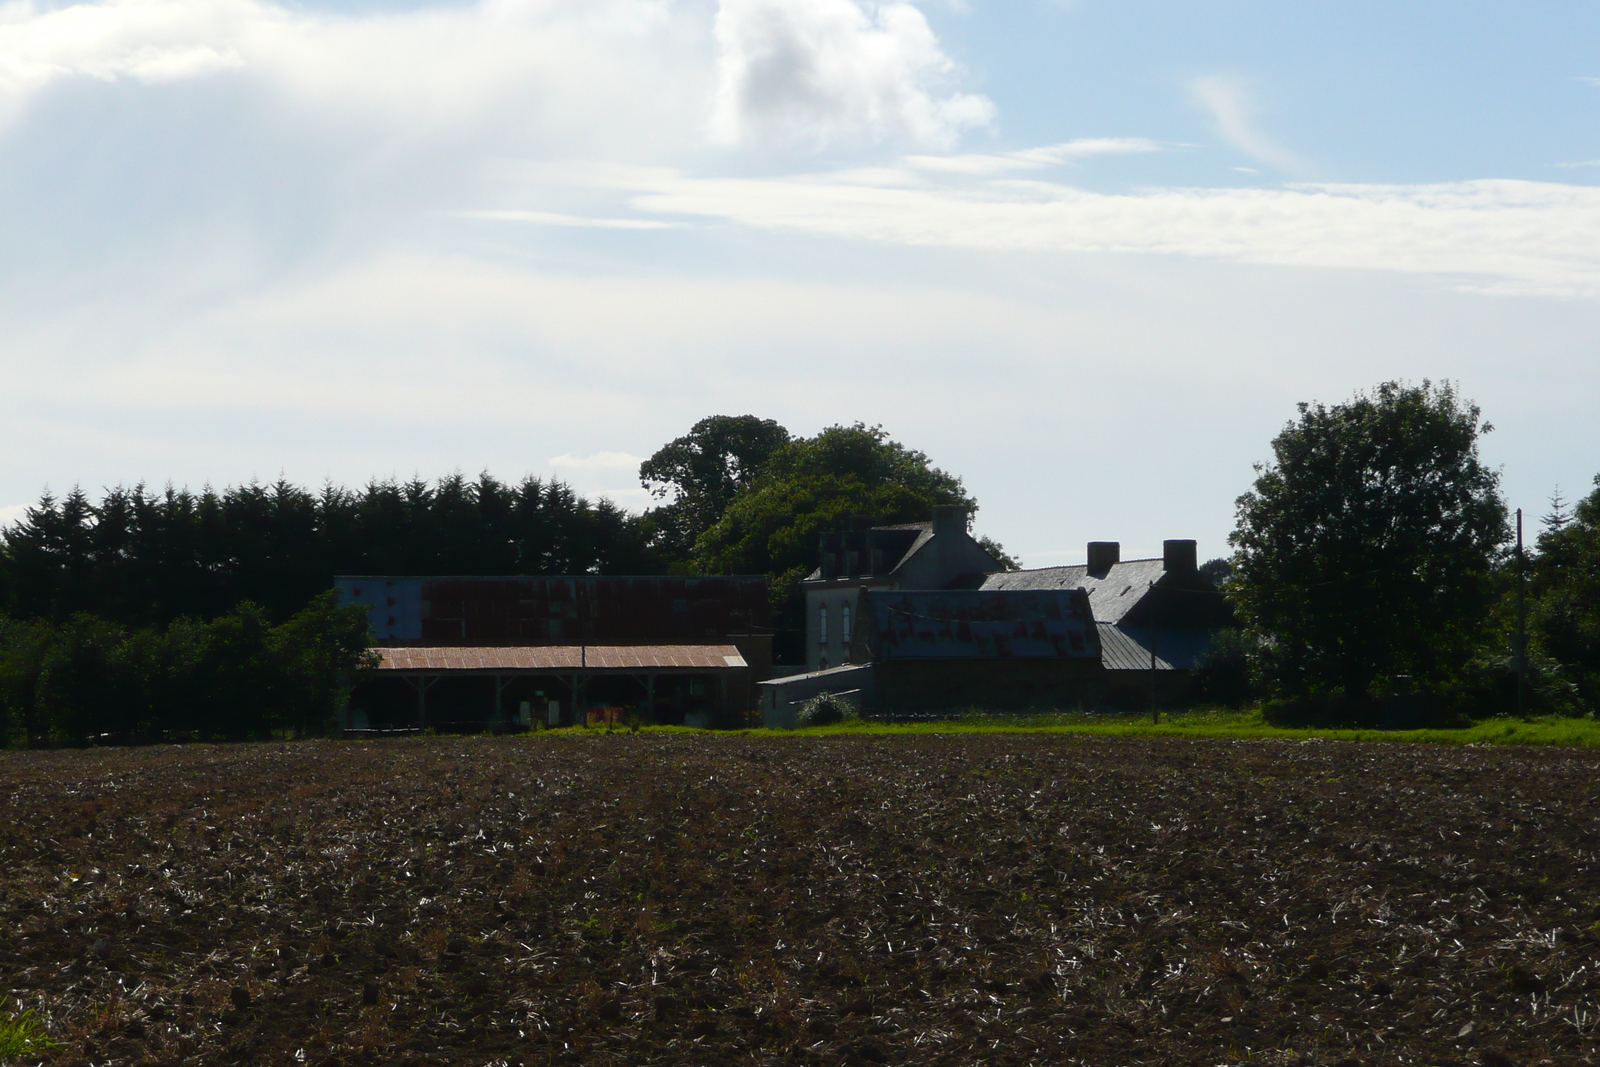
1487 688
825 709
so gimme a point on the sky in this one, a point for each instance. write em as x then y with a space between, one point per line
1087 255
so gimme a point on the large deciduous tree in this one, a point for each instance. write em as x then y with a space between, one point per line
812 485
701 472
1366 549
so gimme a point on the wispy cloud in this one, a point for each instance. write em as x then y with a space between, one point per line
598 461
1229 102
551 218
1506 236
1581 163
1056 155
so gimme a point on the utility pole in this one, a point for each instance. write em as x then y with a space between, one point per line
1155 708
1522 624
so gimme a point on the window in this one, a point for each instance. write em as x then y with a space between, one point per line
844 624
822 624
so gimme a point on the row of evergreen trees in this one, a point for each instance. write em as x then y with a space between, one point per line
144 559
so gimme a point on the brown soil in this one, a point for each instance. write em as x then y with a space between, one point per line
660 899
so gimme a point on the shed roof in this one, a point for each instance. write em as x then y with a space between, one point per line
561 657
1112 594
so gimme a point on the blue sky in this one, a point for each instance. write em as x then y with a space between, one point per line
1086 255
1363 91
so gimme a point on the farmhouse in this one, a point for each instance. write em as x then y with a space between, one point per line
921 616
499 652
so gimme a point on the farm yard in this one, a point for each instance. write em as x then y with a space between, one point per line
673 899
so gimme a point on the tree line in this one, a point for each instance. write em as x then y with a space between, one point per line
205 614
140 558
209 614
234 677
1370 556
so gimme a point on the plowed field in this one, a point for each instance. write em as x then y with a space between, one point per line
671 899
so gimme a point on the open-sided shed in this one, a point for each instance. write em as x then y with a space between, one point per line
554 684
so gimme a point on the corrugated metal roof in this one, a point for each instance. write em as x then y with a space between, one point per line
560 657
1129 649
1111 595
974 624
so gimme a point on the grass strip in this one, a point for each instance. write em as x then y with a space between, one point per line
1224 725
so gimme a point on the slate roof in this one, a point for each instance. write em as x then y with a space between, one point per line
975 624
561 657
1111 594
1129 649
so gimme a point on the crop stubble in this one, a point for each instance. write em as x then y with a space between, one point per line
662 899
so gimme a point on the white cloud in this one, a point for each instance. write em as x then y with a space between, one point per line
552 218
1228 101
13 513
1508 236
560 72
600 461
814 72
1034 158
139 39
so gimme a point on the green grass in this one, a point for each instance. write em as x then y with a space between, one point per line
1203 723
22 1036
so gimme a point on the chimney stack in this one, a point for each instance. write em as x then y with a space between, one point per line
1179 557
949 519
1102 554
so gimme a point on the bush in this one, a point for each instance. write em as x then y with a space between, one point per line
1487 688
825 709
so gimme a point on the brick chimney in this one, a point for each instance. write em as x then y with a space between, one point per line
1179 557
1102 554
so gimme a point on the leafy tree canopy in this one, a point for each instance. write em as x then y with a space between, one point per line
1565 607
702 472
1366 550
812 485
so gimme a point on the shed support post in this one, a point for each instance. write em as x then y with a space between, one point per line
500 683
421 683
